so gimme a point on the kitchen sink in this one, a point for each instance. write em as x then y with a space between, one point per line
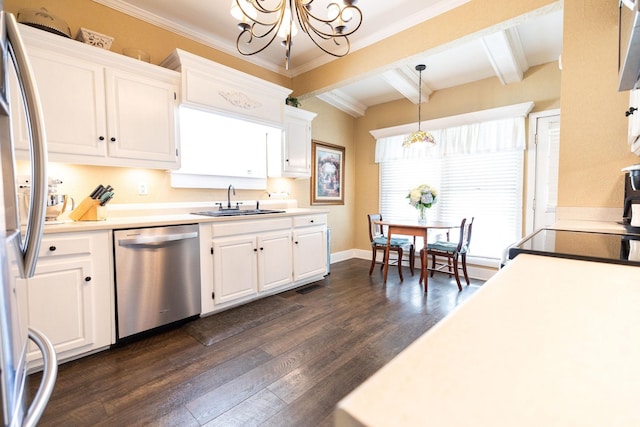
240 212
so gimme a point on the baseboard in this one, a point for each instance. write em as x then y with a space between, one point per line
481 271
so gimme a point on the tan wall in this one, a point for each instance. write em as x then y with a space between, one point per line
593 134
130 32
334 127
474 17
540 85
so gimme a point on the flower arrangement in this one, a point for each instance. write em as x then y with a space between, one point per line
422 197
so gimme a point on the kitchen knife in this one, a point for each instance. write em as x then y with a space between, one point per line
106 197
94 193
101 192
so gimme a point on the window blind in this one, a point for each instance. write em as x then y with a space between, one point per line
487 186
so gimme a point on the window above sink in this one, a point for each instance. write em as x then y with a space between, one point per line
217 150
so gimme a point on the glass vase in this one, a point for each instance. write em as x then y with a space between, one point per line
422 216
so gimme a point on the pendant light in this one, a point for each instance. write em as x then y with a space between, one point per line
419 135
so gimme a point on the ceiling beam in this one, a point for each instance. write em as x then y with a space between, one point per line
343 102
405 80
506 55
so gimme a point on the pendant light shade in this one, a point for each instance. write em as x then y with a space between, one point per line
419 135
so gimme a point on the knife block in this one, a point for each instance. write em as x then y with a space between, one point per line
88 210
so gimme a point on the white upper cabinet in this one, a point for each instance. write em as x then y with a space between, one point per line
291 156
101 108
633 113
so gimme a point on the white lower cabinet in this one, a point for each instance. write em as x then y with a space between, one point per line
235 271
69 298
274 259
250 257
309 247
255 258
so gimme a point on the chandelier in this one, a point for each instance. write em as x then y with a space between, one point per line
261 21
419 135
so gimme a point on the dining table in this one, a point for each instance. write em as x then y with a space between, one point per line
416 230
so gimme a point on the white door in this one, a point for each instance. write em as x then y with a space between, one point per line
309 252
234 268
274 262
544 165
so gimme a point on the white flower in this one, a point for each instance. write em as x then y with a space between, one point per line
422 197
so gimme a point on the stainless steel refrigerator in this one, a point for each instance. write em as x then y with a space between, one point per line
19 253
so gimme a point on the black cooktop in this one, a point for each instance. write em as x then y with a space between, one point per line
582 245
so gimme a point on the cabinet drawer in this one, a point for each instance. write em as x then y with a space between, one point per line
306 220
244 227
61 245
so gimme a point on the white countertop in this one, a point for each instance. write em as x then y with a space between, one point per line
593 226
158 217
545 342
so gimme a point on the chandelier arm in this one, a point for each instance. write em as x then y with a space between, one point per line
306 19
279 10
258 32
337 55
273 31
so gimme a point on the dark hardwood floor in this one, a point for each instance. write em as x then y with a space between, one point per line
290 371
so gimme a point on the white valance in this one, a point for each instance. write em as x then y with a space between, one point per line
457 136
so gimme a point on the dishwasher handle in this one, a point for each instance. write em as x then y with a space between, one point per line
157 240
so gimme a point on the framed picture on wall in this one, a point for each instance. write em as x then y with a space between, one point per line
327 175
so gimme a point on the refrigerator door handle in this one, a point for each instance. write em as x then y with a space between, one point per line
35 119
49 374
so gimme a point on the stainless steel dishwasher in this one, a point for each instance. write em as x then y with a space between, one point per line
157 277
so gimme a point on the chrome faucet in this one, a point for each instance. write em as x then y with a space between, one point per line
229 195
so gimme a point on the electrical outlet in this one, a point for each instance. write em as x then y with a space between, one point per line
142 189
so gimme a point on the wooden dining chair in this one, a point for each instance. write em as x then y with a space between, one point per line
379 243
454 252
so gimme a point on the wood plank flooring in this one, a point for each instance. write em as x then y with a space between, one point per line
290 371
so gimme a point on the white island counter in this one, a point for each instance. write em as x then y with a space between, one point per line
546 342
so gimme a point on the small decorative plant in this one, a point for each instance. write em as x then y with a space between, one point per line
292 101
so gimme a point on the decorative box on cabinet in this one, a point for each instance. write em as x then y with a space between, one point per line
291 157
101 108
70 297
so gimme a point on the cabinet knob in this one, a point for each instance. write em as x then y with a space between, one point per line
255 249
296 242
262 249
630 111
52 248
87 279
113 139
101 138
311 221
286 160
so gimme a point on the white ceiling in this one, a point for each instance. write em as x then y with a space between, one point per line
505 52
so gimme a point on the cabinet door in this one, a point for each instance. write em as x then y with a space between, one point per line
73 103
309 252
274 260
297 147
61 305
141 117
234 268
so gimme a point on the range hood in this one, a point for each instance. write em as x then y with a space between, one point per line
629 45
